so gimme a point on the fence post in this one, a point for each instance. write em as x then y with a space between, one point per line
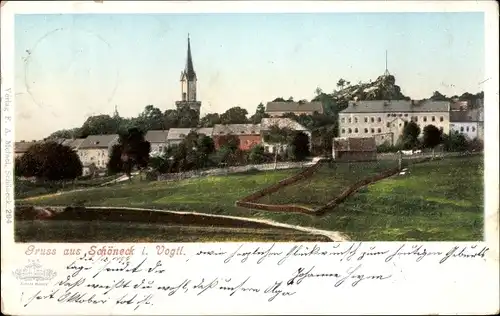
400 159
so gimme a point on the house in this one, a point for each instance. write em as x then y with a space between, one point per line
73 143
354 149
248 134
20 148
158 141
469 123
457 105
267 123
377 118
276 109
176 135
96 149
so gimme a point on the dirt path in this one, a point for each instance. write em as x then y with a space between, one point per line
332 235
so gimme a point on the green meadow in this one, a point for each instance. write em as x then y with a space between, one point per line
440 200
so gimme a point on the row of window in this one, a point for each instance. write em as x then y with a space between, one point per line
379 130
349 130
372 119
472 129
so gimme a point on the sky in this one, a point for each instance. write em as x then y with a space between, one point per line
71 66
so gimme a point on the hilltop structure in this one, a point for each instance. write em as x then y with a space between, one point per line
188 84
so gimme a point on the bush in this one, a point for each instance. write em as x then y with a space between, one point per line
49 161
387 148
257 155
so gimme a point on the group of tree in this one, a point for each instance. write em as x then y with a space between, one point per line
414 138
131 152
49 161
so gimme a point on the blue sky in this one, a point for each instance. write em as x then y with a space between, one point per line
80 65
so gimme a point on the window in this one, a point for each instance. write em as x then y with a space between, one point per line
473 129
350 120
366 120
399 124
379 130
355 130
462 129
373 130
388 124
467 128
343 131
372 119
400 114
355 120
425 118
350 131
388 115
379 119
416 118
382 136
441 119
406 115
433 118
343 120
366 130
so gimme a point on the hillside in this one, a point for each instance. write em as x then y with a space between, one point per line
384 88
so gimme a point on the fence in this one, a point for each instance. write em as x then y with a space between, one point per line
229 170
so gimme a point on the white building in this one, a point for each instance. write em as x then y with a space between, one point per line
385 120
158 141
469 123
96 149
267 123
176 135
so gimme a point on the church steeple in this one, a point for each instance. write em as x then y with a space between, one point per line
188 83
189 70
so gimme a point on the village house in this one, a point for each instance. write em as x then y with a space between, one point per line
21 147
247 134
276 109
176 135
267 123
73 143
158 141
354 149
96 150
469 123
385 120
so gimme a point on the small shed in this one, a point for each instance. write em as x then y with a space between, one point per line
354 149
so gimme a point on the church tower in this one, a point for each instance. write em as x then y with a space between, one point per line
188 84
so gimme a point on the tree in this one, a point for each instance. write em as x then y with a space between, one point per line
260 113
115 163
232 142
437 96
341 83
234 115
409 138
65 133
210 119
257 155
318 91
278 137
49 161
279 99
187 117
432 137
151 118
300 146
134 150
454 142
98 125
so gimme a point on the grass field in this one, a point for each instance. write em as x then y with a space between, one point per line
112 225
437 200
326 183
26 188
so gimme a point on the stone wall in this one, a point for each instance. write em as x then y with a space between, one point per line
229 170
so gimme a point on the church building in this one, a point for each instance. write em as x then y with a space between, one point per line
188 85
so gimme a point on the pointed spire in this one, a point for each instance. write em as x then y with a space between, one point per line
386 73
189 70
